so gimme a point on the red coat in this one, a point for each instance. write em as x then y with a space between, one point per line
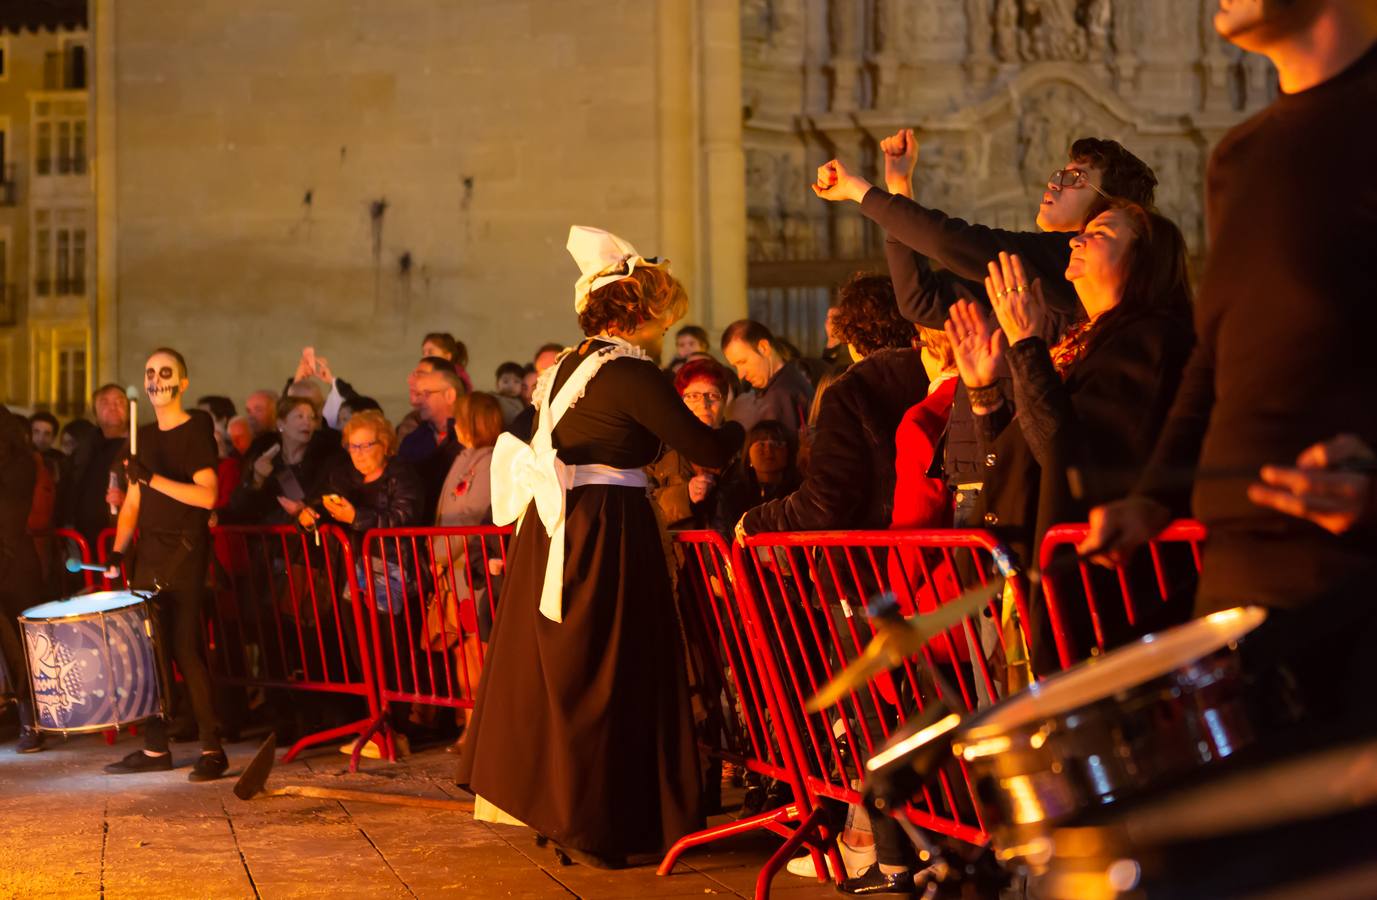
923 502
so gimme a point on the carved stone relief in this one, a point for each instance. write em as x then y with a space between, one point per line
997 90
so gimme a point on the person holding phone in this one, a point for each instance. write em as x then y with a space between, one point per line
289 470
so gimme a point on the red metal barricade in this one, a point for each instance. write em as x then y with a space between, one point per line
431 595
808 593
738 705
283 615
58 545
1153 591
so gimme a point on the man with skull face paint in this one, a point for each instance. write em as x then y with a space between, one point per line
172 489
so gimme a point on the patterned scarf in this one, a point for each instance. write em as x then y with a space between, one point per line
1068 351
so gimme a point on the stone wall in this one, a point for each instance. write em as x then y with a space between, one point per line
351 174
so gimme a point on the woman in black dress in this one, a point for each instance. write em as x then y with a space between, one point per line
582 728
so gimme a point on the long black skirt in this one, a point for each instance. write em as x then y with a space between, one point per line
582 728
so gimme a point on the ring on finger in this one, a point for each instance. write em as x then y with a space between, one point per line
1020 288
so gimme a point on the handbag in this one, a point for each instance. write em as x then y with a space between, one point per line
442 623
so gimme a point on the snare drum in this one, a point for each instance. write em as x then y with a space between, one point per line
1112 727
92 662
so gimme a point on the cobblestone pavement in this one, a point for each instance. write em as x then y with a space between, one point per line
69 830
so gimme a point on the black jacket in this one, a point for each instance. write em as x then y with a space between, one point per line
850 481
250 505
1101 420
395 500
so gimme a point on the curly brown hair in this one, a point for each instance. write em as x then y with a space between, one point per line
625 305
868 317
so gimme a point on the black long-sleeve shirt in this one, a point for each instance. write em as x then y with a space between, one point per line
1285 315
966 249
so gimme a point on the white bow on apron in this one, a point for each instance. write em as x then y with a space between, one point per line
524 472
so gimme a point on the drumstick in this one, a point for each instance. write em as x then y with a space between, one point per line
133 394
75 565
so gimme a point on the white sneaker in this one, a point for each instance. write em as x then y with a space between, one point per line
854 860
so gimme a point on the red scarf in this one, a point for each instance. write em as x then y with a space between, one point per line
1069 350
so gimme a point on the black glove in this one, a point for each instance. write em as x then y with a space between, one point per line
136 471
115 560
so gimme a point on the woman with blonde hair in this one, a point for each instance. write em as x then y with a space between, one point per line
583 728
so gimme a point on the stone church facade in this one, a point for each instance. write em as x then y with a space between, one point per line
996 91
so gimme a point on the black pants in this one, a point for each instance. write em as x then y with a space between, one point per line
19 590
178 608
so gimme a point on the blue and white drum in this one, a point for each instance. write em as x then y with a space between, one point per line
91 662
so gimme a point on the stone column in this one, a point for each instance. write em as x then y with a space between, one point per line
104 324
722 210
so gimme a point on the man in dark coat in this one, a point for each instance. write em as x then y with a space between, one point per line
779 390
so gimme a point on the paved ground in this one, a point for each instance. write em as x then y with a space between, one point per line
68 830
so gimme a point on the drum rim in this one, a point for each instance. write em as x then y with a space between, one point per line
978 729
94 729
74 617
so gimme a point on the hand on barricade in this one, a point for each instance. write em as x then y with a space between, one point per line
1118 529
307 518
496 567
835 183
1018 304
740 531
1324 486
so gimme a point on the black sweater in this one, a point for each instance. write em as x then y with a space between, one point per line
850 481
1285 316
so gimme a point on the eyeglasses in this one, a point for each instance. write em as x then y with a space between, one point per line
702 397
360 448
1074 178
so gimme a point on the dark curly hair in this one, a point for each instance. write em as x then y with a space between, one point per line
647 293
1124 175
868 317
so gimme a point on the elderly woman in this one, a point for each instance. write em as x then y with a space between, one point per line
287 470
583 728
377 491
1091 404
684 492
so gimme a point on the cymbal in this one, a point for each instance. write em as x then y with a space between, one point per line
896 640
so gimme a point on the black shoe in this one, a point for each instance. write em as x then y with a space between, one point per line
138 761
209 766
873 881
30 741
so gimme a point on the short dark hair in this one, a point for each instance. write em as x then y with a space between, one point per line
79 429
511 368
181 360
44 416
548 348
867 315
701 369
1123 175
647 294
698 333
221 408
439 364
748 330
361 404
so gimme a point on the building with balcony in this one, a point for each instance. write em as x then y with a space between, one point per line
46 206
